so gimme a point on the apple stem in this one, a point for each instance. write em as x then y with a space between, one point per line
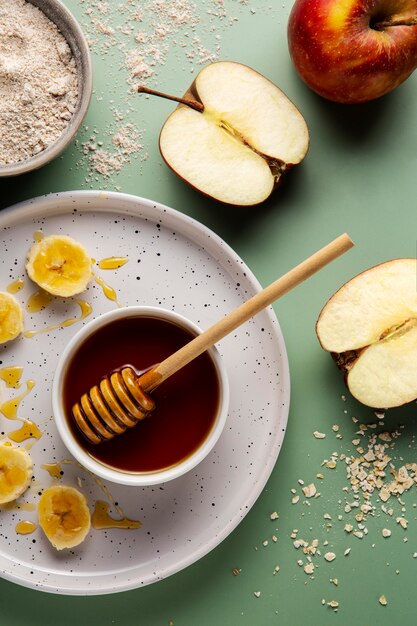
411 21
193 104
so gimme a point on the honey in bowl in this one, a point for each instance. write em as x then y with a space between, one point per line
187 403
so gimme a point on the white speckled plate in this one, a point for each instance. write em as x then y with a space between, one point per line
177 263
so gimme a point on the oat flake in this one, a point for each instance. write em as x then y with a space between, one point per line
333 604
310 490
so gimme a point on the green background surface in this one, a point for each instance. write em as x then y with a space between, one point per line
359 176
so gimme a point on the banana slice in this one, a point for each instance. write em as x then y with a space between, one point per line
15 472
64 516
60 265
11 317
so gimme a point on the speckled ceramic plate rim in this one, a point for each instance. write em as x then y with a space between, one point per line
59 203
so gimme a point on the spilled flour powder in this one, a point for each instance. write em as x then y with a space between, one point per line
147 42
38 82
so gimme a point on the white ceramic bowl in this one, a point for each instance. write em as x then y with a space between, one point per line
57 12
92 464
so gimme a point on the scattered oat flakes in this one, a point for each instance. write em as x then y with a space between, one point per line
347 552
257 594
330 556
309 568
383 601
295 499
386 532
274 515
319 435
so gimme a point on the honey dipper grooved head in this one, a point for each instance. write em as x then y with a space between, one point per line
111 407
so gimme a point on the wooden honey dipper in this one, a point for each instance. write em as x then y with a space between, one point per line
122 399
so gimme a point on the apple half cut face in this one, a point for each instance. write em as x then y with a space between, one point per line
246 135
370 327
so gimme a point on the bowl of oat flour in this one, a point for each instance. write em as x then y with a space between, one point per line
45 82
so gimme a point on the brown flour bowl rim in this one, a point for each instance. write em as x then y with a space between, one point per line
69 27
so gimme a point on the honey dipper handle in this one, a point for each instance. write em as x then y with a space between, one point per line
151 379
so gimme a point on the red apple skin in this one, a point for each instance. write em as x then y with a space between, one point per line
345 50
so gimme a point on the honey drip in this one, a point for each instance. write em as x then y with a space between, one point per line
26 506
54 469
11 376
15 286
86 309
38 301
28 430
101 520
25 527
112 262
108 291
10 407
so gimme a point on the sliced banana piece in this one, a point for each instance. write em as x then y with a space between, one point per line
59 265
11 317
15 472
64 516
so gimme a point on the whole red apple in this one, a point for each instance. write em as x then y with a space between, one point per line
353 50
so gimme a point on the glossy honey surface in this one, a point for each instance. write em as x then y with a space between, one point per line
186 403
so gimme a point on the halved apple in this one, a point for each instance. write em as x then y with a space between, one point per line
370 327
233 134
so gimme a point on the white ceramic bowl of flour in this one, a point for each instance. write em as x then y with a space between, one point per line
48 63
